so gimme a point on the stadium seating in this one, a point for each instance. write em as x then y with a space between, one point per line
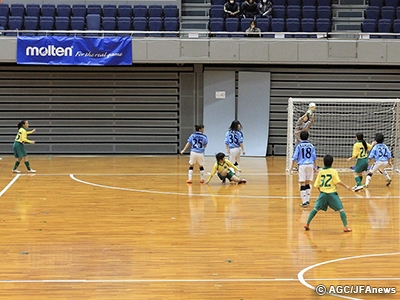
46 23
171 26
308 25
309 2
385 26
244 24
3 22
94 9
48 10
292 25
33 10
78 10
62 23
77 23
110 10
324 2
279 11
155 24
388 12
309 12
140 11
155 10
372 12
294 2
14 23
171 10
124 24
216 26
4 10
378 3
217 11
396 27
93 23
264 25
31 23
369 25
109 24
140 24
125 10
63 10
17 10
278 25
324 12
323 25
293 11
393 3
232 26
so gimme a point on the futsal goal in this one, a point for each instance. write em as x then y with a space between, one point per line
336 122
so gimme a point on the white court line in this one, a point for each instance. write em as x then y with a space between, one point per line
9 185
300 275
72 176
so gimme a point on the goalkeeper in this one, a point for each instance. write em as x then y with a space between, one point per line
305 122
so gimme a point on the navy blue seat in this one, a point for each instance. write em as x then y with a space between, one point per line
78 10
110 10
244 24
369 25
171 10
46 23
279 2
293 11
279 11
324 12
109 24
155 24
232 26
393 3
398 12
32 10
62 23
171 27
265 26
77 23
125 10
309 2
63 10
17 10
94 9
308 25
124 24
139 24
385 26
323 25
217 11
155 10
372 12
378 3
216 26
309 12
292 25
294 2
388 12
140 10
396 27
31 23
48 10
278 25
218 2
14 23
324 2
4 22
4 10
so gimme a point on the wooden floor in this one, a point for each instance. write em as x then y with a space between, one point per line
129 227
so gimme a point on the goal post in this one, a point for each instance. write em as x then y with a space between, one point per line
336 122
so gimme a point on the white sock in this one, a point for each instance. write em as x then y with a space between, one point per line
190 174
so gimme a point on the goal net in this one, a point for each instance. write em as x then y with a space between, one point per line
336 122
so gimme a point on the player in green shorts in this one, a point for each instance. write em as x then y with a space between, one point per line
360 151
326 182
223 167
18 147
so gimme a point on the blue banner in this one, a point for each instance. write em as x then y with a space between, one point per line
65 50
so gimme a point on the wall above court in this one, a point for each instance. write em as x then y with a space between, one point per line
260 51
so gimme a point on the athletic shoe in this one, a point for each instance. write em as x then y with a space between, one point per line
242 181
31 171
347 229
189 181
306 204
201 180
357 188
388 182
306 227
16 171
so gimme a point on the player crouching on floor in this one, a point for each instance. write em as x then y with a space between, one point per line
223 169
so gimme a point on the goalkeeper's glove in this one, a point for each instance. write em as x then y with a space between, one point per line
310 112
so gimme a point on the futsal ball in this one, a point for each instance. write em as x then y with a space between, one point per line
312 106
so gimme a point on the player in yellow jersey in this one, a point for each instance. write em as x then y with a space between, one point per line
223 169
18 147
360 151
326 182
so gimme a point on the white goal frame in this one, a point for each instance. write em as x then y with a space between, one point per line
390 127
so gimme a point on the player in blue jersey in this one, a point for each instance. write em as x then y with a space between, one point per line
198 142
305 156
234 143
381 155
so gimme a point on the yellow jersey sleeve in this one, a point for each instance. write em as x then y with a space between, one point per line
22 136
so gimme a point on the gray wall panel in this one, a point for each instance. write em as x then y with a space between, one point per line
218 112
253 111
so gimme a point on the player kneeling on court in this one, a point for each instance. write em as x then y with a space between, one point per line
326 182
223 169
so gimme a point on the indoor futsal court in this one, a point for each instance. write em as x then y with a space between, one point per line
129 227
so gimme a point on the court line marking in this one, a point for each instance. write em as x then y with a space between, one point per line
72 176
300 275
184 280
9 184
